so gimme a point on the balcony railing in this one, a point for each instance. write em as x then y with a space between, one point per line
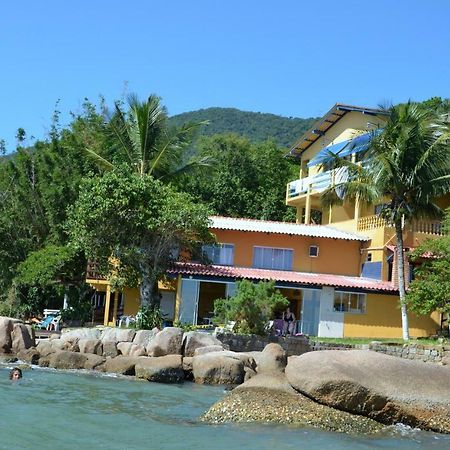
92 272
316 183
423 226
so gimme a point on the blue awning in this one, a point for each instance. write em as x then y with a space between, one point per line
324 154
356 145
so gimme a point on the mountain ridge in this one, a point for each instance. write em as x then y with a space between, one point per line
256 126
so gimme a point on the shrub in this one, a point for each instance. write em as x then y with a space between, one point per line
251 307
148 318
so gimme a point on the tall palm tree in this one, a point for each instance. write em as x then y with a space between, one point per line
407 167
143 139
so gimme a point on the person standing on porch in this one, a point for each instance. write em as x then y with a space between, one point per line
288 322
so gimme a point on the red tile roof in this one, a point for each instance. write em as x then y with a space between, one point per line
316 279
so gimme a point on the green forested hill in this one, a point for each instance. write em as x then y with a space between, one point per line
257 127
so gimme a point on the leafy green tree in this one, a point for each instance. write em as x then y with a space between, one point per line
430 289
407 167
137 221
36 186
247 180
253 305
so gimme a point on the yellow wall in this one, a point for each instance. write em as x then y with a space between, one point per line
336 256
383 320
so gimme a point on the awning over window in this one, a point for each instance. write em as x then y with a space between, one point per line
345 148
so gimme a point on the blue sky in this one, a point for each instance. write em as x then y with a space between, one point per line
293 58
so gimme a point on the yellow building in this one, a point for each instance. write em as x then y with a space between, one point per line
335 265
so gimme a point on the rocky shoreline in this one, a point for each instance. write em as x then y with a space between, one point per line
355 391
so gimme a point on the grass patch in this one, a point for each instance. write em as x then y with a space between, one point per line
354 341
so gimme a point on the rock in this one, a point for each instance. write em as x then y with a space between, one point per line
29 355
21 338
80 333
162 369
6 328
217 368
44 361
385 388
166 342
272 359
131 349
122 364
124 348
280 406
446 361
187 363
193 340
94 362
45 348
249 373
118 335
247 359
208 349
58 344
137 350
110 349
93 346
144 337
67 360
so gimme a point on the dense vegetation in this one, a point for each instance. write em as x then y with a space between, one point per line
43 250
255 126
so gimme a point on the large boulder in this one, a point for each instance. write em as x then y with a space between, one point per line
144 337
80 333
6 327
163 369
45 348
385 388
272 359
122 364
21 338
208 349
94 362
217 368
193 340
166 342
67 360
93 346
131 349
110 349
118 335
268 397
29 355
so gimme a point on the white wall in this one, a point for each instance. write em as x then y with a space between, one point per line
331 323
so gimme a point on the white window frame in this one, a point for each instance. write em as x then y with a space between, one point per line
273 248
346 300
317 250
220 246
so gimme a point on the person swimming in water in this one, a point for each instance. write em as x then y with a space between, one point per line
15 374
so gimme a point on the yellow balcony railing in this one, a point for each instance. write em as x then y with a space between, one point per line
423 226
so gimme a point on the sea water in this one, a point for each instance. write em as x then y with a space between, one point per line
80 410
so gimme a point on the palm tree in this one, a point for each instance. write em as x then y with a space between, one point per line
143 140
407 167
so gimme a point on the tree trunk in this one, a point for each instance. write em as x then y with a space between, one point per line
401 279
149 293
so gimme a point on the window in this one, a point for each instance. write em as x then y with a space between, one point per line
314 251
221 254
272 258
349 302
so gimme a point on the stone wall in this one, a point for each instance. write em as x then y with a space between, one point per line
294 345
419 352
